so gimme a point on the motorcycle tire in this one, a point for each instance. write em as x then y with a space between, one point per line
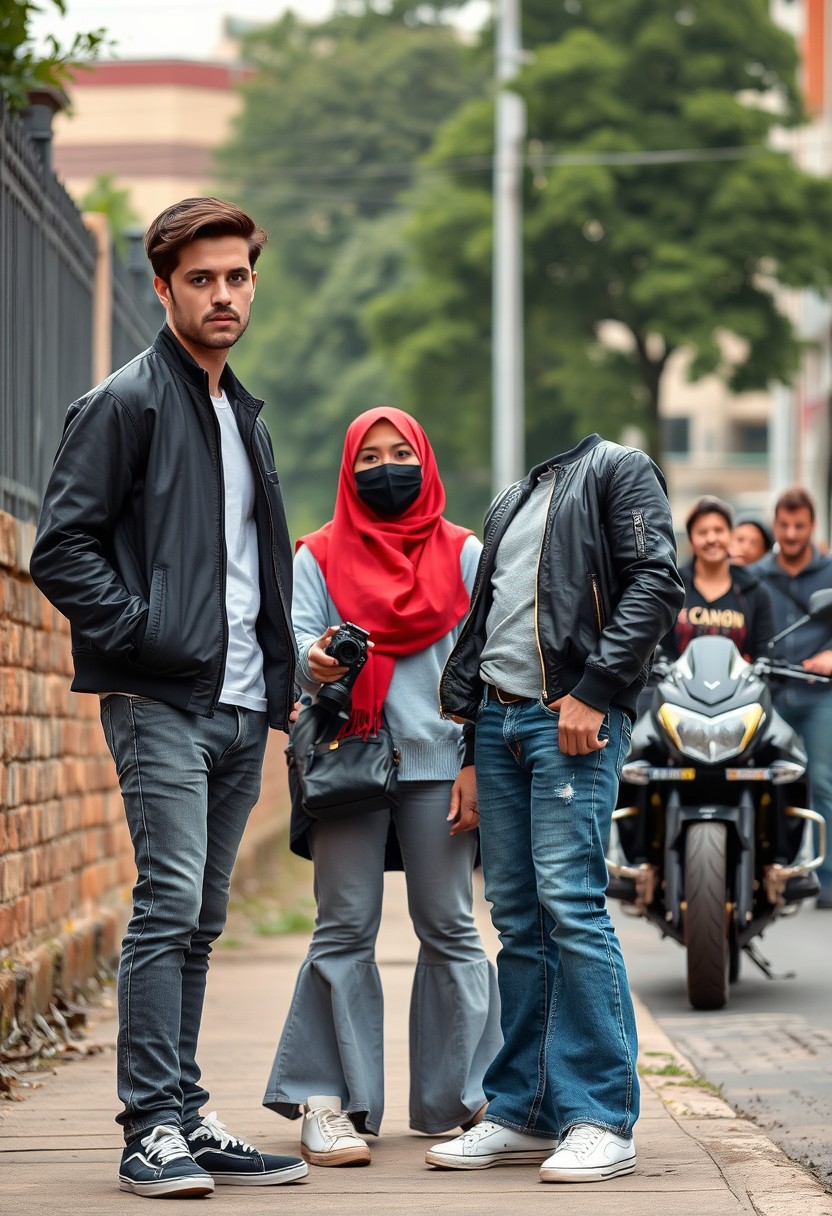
706 922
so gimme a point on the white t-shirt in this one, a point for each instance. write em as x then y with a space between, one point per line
243 683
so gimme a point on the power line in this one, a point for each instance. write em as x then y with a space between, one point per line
484 164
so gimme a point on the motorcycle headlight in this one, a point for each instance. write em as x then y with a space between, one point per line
711 740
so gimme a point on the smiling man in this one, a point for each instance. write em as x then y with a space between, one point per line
163 540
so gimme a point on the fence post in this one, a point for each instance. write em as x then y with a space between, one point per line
102 298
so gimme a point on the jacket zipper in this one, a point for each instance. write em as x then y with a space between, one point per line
224 565
596 595
496 519
290 637
537 587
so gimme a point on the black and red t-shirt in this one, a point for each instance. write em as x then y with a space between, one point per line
742 614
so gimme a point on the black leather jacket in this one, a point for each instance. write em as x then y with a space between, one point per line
607 584
131 541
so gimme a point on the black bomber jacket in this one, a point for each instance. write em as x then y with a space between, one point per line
608 587
131 541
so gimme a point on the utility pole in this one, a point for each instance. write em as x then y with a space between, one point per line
507 447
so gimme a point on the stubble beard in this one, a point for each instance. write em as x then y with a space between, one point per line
200 333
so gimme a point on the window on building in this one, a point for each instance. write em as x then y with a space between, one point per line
675 434
750 437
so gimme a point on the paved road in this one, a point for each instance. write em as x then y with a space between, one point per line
771 1048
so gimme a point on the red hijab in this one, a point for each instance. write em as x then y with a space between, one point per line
398 577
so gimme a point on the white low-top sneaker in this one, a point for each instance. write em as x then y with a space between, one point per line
328 1136
589 1154
487 1144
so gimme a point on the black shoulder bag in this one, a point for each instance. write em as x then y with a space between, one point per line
336 778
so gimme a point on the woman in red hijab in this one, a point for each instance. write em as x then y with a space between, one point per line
389 562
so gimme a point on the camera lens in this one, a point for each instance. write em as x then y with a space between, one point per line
347 652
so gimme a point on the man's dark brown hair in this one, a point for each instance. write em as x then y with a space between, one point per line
708 505
795 499
193 219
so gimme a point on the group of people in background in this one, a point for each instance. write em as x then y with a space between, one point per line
749 581
508 674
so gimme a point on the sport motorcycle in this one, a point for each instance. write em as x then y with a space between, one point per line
714 836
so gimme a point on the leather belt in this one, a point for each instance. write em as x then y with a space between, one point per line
503 697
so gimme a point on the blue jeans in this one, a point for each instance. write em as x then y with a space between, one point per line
813 722
188 785
569 1054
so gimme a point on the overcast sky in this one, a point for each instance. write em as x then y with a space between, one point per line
167 29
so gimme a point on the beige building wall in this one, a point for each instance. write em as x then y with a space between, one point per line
152 124
722 430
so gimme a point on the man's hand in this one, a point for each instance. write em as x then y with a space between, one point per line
464 814
578 727
820 663
296 708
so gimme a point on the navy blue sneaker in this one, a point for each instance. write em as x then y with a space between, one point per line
232 1162
160 1163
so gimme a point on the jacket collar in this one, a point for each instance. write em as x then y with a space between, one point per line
569 457
770 565
168 346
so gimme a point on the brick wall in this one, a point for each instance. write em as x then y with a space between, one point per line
66 863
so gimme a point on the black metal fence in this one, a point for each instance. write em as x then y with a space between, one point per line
137 313
47 277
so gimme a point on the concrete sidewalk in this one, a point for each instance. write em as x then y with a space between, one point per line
59 1148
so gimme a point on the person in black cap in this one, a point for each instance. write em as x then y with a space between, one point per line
751 540
720 597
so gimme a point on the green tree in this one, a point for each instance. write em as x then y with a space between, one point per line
334 123
23 67
676 250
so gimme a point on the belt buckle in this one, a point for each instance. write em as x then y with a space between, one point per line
500 698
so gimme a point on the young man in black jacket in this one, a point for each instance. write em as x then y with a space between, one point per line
163 540
576 585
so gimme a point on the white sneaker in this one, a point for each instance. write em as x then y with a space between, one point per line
328 1136
486 1144
589 1154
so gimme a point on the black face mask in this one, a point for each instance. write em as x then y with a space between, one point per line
389 488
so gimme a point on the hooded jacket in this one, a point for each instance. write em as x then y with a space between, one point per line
607 586
131 541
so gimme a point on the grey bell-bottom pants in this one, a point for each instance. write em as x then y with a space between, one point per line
332 1042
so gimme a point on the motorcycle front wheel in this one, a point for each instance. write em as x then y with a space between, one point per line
706 916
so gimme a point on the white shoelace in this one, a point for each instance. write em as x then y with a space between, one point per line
212 1129
582 1138
336 1122
166 1144
476 1133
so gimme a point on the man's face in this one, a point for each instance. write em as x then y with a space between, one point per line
208 299
793 532
709 537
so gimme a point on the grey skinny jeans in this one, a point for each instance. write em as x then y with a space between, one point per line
188 785
332 1042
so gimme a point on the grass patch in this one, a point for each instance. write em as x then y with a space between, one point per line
671 1069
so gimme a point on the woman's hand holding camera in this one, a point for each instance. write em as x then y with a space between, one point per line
324 667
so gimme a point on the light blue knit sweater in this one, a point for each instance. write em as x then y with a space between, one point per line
430 747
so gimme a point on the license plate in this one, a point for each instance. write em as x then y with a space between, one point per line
672 774
748 774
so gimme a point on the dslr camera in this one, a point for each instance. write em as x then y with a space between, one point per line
349 647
